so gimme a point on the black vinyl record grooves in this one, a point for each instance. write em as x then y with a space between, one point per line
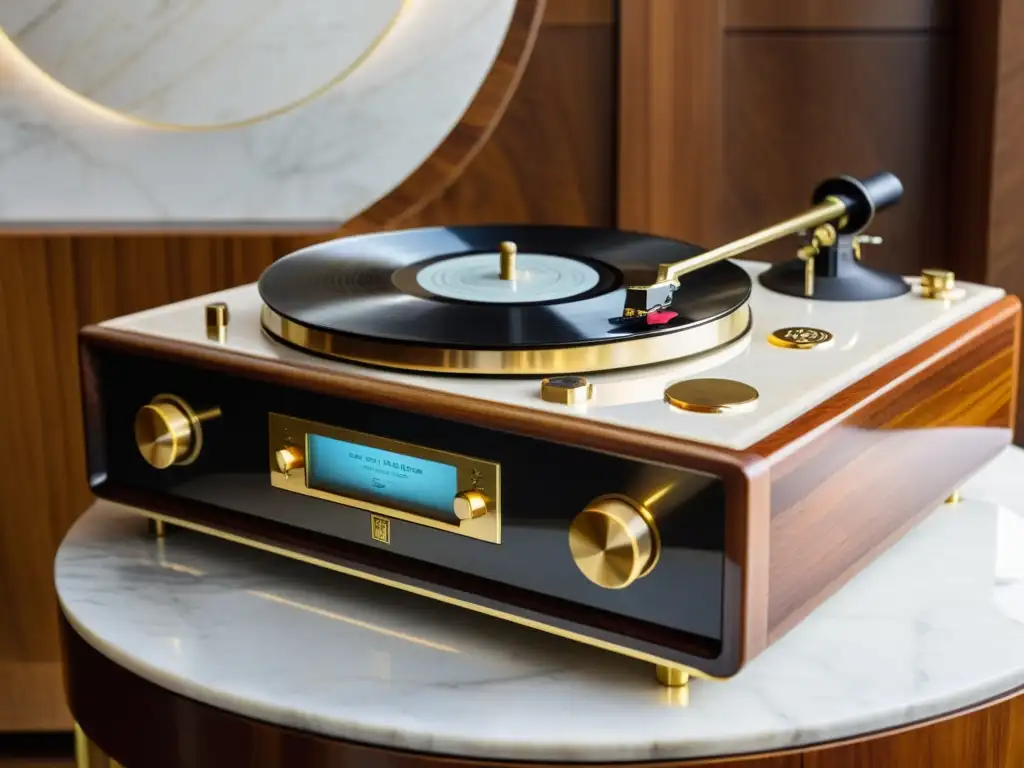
366 299
366 286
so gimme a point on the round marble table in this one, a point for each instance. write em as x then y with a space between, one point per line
192 651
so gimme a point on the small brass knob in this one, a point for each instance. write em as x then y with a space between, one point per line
937 283
288 459
169 432
469 505
614 541
217 318
566 390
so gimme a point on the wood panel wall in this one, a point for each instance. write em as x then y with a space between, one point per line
551 159
766 99
755 102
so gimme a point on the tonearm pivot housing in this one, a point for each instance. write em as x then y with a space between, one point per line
827 268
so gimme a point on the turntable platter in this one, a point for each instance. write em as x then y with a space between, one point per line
434 299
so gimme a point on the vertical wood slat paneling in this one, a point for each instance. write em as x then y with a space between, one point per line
787 127
670 118
850 15
550 159
985 228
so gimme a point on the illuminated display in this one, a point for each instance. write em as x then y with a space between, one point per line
379 476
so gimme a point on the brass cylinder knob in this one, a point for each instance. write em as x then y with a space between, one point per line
614 541
937 283
169 432
288 459
469 505
217 318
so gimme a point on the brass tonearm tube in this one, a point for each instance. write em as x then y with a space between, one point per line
845 203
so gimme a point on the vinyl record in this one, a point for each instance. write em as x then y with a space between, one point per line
433 299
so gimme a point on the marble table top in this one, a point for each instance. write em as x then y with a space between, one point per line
934 625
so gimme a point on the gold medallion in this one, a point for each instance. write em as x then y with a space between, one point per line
712 395
800 338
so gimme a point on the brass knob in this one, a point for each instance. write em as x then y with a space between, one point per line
937 283
469 505
217 318
288 459
169 432
566 390
614 541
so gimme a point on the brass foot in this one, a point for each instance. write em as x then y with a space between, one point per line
953 498
88 755
158 528
673 677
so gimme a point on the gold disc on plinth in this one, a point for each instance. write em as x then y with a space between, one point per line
800 338
712 395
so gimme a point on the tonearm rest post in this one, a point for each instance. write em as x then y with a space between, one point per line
828 268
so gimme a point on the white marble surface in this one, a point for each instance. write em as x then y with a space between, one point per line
65 163
935 624
197 63
867 335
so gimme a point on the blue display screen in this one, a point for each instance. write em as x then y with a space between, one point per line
378 476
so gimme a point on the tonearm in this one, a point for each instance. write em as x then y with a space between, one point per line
828 267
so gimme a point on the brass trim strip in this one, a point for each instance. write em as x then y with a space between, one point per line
472 474
551 361
420 591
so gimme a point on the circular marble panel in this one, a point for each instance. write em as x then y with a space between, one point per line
66 164
198 63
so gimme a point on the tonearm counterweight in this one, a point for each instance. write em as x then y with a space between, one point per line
844 205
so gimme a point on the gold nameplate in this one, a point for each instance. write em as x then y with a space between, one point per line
388 478
380 529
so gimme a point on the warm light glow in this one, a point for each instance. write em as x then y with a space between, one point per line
12 59
354 622
658 494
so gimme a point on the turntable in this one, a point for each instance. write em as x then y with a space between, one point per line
625 440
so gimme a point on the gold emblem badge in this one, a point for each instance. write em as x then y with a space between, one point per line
800 338
380 529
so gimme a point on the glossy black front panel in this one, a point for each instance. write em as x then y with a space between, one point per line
544 485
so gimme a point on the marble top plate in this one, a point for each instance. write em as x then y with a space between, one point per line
934 625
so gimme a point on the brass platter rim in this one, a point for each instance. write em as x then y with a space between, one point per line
547 361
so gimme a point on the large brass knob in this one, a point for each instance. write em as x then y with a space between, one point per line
614 541
169 432
469 505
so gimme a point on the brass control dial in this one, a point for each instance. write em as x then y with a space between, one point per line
289 458
614 541
469 505
169 432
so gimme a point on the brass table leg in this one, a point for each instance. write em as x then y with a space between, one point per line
158 528
88 755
